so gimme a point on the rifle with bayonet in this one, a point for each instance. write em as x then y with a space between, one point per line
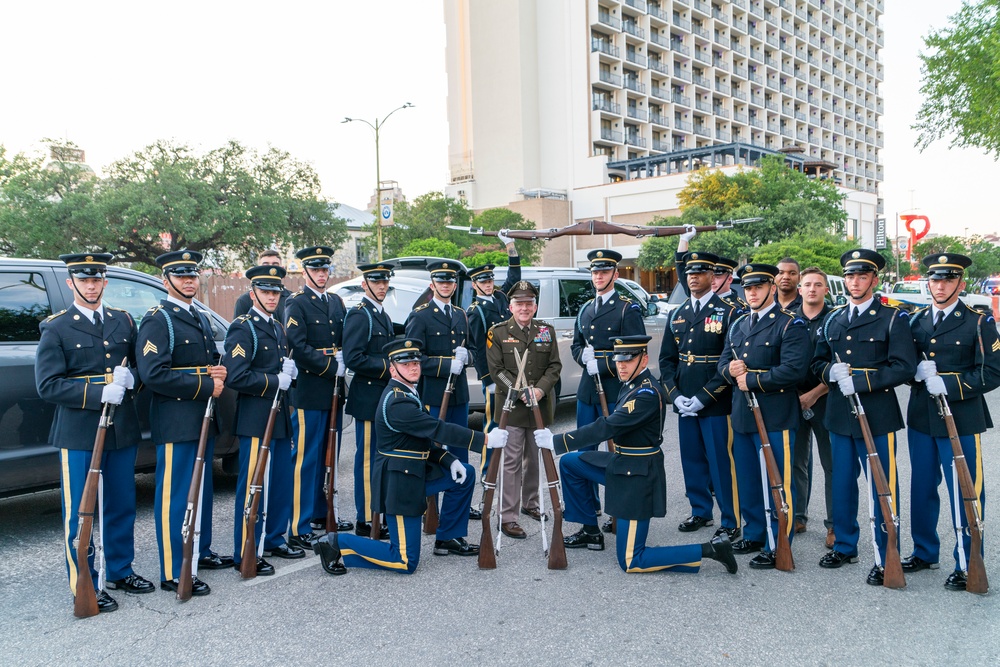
595 227
191 526
893 567
604 411
330 479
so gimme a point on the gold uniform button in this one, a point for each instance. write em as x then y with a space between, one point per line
107 370
108 355
933 340
848 352
848 338
932 354
106 343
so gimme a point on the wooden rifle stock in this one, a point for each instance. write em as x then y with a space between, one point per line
976 580
431 518
557 550
893 567
783 552
604 411
85 602
487 552
330 480
188 528
248 558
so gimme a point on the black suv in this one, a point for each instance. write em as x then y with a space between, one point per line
30 291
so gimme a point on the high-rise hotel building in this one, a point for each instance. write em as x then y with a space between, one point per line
569 110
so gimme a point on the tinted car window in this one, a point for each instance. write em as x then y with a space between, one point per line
573 294
23 304
132 296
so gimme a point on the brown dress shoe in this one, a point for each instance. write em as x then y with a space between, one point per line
830 538
513 530
800 527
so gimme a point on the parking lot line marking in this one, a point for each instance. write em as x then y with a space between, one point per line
281 572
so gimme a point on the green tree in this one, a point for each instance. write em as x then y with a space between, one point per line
823 251
961 80
495 219
431 248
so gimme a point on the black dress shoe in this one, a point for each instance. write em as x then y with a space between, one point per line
836 559
732 533
763 561
343 525
133 583
214 561
746 546
328 549
916 563
693 523
581 539
475 514
303 541
264 569
318 524
876 577
198 587
956 581
608 526
285 551
722 551
456 546
364 529
105 603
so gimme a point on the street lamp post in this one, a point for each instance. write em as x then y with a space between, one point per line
376 126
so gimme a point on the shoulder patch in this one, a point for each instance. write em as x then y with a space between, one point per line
149 348
630 406
238 351
903 314
646 390
292 322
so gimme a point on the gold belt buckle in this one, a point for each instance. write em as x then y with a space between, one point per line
109 378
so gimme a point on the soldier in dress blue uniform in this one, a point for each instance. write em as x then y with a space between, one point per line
80 366
314 322
243 303
179 363
409 467
767 352
633 474
444 328
689 357
601 320
722 283
876 354
256 357
489 306
960 359
367 328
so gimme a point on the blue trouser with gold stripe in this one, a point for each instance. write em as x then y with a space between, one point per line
174 467
850 457
635 556
278 493
588 414
402 552
756 501
118 471
928 456
706 445
310 429
366 441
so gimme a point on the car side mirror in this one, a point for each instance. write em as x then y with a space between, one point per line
651 309
841 300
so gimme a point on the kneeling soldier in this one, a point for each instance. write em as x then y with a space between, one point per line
409 466
633 474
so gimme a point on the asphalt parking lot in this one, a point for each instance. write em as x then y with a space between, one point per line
521 613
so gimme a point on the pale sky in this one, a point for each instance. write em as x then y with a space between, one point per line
116 76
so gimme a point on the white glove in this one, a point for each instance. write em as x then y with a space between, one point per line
592 367
503 238
695 405
682 403
462 354
341 368
688 413
339 357
689 233
456 366
543 439
491 389
496 439
284 381
113 393
847 386
925 369
935 385
604 443
588 354
123 377
288 368
839 371
458 470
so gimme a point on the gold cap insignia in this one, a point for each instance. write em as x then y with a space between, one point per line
89 258
273 272
942 259
749 268
694 255
445 265
855 254
600 254
186 255
318 250
619 341
407 344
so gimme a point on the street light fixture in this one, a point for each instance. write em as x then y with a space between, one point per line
376 126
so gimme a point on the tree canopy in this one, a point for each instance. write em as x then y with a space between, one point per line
789 201
230 203
421 229
961 80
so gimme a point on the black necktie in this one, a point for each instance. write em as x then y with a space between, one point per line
939 319
447 311
753 320
98 322
854 314
697 310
